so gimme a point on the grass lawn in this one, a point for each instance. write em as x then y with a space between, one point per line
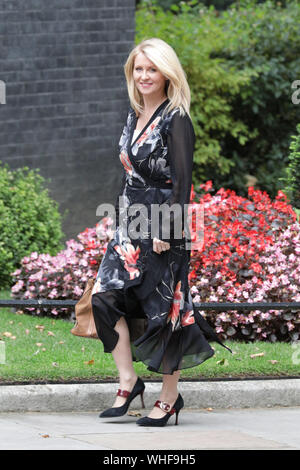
43 349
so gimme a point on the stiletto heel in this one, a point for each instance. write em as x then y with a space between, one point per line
115 412
142 399
146 421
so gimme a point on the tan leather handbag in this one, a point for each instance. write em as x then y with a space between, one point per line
85 324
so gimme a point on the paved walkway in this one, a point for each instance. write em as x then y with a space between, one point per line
259 428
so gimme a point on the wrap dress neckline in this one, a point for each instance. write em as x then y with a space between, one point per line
151 119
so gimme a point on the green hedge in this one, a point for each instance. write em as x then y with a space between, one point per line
167 4
292 179
29 219
240 64
265 38
213 87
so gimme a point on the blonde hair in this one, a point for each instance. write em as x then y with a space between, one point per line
165 59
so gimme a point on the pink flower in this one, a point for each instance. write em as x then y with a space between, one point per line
77 291
18 286
53 294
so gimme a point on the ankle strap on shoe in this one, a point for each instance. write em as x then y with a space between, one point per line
123 393
165 407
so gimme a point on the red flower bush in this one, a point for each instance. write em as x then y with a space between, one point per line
232 266
250 253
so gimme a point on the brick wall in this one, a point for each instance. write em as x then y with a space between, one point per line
66 97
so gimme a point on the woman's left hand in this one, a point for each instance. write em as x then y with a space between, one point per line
159 245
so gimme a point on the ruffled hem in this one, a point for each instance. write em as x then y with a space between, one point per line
164 351
167 332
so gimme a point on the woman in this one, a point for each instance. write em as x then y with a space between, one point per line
146 276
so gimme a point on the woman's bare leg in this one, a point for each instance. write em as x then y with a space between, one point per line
123 359
169 393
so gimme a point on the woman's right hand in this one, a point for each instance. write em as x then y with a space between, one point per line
159 245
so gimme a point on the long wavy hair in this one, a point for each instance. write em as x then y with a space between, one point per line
165 59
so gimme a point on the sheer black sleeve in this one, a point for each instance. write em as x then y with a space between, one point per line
180 142
117 210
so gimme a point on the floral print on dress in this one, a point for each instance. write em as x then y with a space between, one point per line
188 318
126 162
147 133
173 337
129 254
177 305
97 286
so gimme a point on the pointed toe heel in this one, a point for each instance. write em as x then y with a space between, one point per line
178 405
116 412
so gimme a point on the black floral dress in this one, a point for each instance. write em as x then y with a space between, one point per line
151 290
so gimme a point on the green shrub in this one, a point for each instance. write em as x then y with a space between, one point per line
266 38
29 219
292 179
213 86
240 64
167 4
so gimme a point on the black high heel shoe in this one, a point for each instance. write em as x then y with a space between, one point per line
146 421
115 412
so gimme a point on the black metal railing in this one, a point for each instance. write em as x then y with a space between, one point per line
219 306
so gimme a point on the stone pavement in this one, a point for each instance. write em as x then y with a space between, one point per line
231 429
